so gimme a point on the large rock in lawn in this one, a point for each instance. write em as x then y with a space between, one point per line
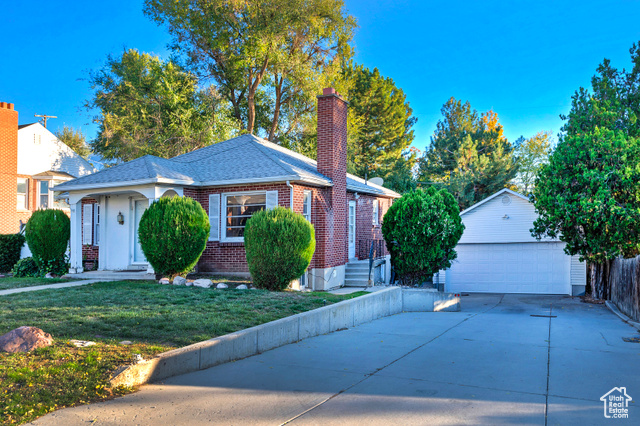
222 285
242 287
203 282
164 281
24 339
179 281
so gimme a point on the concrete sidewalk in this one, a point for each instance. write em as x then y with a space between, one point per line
511 359
48 286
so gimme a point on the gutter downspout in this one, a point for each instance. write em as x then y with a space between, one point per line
290 195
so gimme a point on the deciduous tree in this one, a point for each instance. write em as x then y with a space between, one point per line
149 106
75 140
285 49
532 153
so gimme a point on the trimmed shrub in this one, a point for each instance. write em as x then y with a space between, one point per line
279 245
10 247
173 233
421 230
25 268
47 234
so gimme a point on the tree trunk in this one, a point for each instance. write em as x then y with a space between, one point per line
276 111
600 288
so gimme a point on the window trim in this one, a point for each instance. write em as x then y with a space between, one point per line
50 191
26 194
223 214
376 212
310 203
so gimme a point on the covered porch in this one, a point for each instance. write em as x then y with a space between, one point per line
105 223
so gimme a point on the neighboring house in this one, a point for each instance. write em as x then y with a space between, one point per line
34 160
497 253
232 180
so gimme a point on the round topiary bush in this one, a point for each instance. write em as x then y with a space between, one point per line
47 233
421 230
173 233
25 268
279 245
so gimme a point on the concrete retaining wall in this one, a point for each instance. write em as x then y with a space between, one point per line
255 340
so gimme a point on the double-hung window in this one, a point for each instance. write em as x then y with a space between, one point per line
48 198
306 205
23 193
376 212
236 210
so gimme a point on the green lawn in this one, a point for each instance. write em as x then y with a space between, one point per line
11 282
154 317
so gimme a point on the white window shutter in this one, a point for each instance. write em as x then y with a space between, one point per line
87 224
96 225
214 217
272 200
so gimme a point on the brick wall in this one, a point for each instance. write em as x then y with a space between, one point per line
366 231
24 215
90 253
230 257
8 168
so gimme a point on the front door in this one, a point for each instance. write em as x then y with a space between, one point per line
352 229
138 209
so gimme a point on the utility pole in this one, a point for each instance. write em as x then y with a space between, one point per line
44 118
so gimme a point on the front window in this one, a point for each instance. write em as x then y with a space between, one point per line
238 208
23 193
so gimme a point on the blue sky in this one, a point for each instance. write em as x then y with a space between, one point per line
523 59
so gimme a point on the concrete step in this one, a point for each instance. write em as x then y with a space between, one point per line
357 267
358 276
356 283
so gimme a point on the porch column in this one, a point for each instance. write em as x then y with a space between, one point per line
75 241
149 267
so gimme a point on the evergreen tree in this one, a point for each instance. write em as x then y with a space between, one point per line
381 121
468 154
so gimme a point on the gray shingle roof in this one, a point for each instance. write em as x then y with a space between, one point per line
246 158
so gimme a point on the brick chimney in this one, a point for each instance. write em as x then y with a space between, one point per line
8 168
332 162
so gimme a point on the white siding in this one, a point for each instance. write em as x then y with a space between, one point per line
578 271
487 223
40 151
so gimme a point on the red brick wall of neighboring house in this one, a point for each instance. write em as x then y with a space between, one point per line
230 257
90 252
331 229
24 215
366 231
8 168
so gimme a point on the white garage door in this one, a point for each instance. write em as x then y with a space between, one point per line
510 268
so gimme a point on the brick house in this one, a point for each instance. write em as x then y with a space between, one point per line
231 180
34 160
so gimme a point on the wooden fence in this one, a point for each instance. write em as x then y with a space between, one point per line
624 281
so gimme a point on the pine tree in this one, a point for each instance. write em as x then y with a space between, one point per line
468 154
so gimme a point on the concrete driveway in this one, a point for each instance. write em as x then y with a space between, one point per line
502 360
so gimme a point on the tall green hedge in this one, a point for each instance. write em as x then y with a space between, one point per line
279 245
10 247
173 233
421 230
47 234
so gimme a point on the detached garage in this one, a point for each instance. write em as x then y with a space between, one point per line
497 253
